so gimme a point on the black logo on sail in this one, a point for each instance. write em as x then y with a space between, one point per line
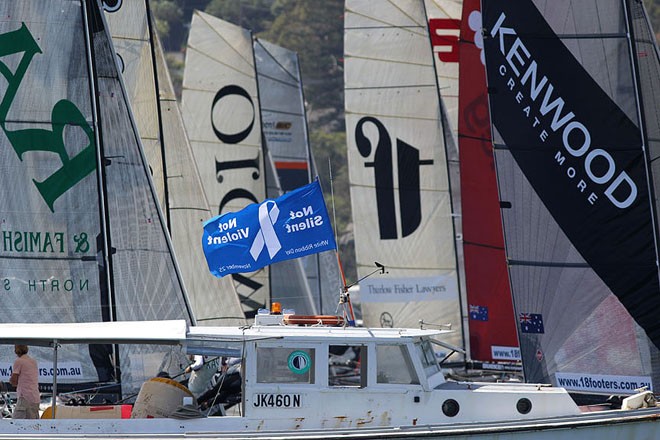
408 164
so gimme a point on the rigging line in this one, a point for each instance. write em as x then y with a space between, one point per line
383 115
433 270
332 197
482 245
386 25
387 60
193 48
425 190
189 208
412 86
143 40
243 30
280 112
512 262
334 218
439 5
595 36
461 135
159 112
278 80
202 90
240 146
295 79
412 18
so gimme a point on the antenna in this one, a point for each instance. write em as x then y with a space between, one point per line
345 297
332 195
381 269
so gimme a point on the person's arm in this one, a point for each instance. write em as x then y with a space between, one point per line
14 379
199 361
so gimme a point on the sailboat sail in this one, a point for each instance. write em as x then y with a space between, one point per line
492 326
283 113
128 26
83 237
214 301
398 169
285 132
444 21
573 177
220 107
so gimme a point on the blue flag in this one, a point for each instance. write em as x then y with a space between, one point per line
291 226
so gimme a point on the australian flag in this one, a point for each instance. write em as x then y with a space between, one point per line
531 323
478 313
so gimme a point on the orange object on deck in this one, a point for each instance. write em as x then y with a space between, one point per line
313 320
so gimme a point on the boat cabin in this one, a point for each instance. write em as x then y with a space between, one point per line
342 377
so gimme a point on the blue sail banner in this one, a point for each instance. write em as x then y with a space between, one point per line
291 226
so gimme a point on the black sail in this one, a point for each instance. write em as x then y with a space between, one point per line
574 184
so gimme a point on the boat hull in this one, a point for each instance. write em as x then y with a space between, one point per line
606 425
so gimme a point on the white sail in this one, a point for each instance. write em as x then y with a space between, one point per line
444 19
398 168
131 37
83 236
220 107
284 125
214 301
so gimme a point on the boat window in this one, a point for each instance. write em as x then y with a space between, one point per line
427 355
394 365
285 365
347 365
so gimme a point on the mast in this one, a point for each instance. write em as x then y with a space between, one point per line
161 135
455 193
101 162
264 151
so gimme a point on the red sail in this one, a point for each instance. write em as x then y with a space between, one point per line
491 318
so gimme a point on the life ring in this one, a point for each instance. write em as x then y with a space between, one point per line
313 320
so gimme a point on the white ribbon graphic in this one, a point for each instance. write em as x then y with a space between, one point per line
266 236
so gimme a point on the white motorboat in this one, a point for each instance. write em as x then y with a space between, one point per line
289 390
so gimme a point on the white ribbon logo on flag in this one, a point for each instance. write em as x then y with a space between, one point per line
266 236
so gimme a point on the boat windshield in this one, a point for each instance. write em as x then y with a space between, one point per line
427 356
